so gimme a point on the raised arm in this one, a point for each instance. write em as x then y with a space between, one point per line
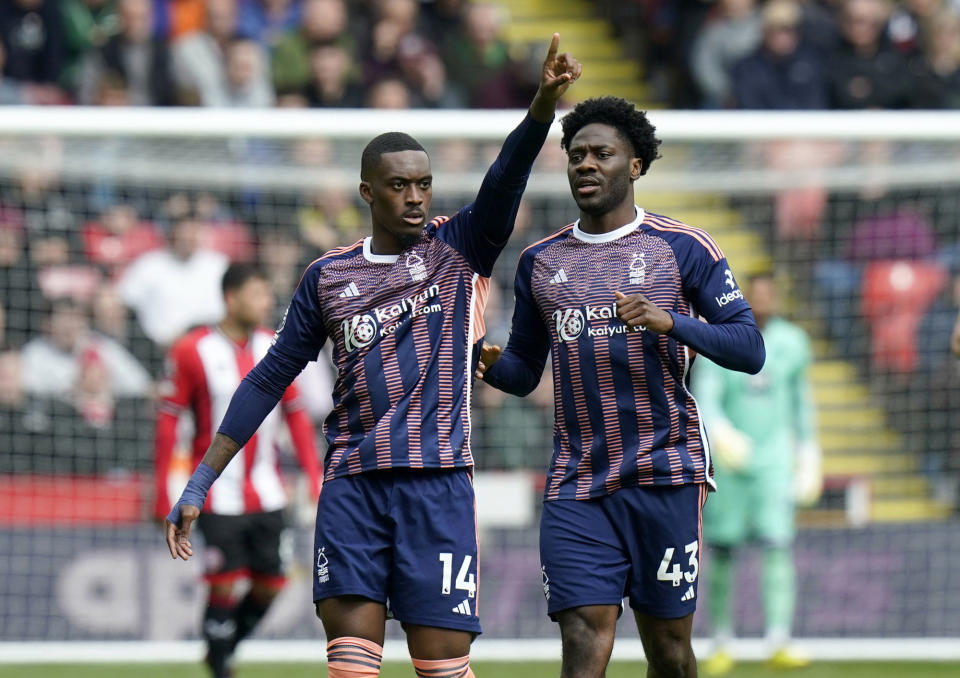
483 227
298 340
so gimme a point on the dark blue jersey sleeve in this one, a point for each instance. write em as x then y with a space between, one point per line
297 341
481 229
520 367
730 337
735 343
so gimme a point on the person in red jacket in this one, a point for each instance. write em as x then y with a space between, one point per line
243 518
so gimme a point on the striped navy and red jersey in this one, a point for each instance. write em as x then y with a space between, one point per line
204 368
624 415
406 332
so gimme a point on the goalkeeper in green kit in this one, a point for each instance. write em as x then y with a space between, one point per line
762 434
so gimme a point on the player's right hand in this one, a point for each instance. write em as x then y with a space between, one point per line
489 354
178 535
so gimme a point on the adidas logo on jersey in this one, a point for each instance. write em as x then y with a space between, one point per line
689 595
463 607
350 290
560 277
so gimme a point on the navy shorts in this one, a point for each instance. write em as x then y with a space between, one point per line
406 538
641 542
243 545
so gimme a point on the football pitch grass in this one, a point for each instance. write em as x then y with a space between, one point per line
482 670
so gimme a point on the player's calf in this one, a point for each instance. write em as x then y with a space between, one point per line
350 657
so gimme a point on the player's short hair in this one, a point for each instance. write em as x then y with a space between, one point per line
237 275
631 124
389 142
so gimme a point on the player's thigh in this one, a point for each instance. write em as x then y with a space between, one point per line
661 530
434 577
353 617
264 540
666 641
582 558
772 495
224 553
727 513
353 539
431 642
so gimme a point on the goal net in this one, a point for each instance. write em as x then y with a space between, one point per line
857 215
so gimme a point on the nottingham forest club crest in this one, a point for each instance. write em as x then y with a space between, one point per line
638 268
414 264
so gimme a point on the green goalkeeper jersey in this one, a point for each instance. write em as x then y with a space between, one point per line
774 408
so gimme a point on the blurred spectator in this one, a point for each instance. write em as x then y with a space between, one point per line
136 56
783 73
864 71
87 25
52 363
908 23
19 295
267 20
900 234
17 443
325 22
198 59
32 32
174 19
331 84
935 73
11 91
818 25
173 289
328 218
443 18
389 93
478 60
720 45
118 238
248 83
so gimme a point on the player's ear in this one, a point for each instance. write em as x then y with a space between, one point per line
636 167
366 193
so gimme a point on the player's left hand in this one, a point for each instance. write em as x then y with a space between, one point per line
489 354
638 311
559 70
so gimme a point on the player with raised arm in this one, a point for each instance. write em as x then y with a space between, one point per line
396 519
243 519
766 461
616 297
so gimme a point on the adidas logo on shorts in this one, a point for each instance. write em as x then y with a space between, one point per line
689 595
463 608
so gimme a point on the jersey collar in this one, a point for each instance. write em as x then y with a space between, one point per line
377 258
612 235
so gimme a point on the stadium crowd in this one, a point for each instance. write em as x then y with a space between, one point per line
98 278
260 53
797 54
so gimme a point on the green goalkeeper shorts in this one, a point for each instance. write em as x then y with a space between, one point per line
749 507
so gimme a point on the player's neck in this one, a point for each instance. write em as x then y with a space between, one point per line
608 221
237 333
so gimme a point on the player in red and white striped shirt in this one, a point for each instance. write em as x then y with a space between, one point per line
243 516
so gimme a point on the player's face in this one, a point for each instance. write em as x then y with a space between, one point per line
601 169
399 191
251 304
762 296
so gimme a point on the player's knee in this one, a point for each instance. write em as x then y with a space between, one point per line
449 668
349 657
671 657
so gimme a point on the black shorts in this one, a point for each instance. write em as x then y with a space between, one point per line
244 545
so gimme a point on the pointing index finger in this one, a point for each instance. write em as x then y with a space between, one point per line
554 45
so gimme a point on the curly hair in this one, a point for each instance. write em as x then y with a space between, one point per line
631 124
